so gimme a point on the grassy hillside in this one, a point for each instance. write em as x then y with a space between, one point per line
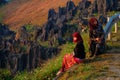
104 67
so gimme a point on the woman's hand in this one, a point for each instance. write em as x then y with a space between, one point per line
98 40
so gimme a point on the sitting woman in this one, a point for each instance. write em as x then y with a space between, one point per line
79 49
76 57
97 40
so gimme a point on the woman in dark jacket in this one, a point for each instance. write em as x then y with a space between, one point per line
79 50
97 40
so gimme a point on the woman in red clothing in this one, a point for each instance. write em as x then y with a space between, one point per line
78 55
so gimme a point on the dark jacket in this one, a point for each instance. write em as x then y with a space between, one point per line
79 50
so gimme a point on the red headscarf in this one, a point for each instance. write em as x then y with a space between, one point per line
77 37
93 24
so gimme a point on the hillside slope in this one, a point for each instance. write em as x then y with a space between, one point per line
20 12
104 67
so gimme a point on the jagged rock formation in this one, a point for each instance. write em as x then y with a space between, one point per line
113 5
52 31
56 31
102 6
24 57
117 4
22 34
52 14
84 4
21 54
4 31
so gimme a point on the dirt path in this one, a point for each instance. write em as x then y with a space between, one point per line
112 64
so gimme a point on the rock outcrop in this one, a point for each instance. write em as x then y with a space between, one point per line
21 54
4 31
103 6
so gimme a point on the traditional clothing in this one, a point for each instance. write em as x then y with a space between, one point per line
68 61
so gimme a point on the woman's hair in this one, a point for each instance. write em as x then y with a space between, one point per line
92 23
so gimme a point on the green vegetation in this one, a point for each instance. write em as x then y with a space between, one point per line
1 17
24 49
114 43
85 37
29 28
112 13
5 75
86 71
83 69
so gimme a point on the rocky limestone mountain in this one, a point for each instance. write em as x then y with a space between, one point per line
21 54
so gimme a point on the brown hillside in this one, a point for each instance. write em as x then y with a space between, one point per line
20 12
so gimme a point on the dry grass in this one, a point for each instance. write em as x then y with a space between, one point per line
32 11
20 12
